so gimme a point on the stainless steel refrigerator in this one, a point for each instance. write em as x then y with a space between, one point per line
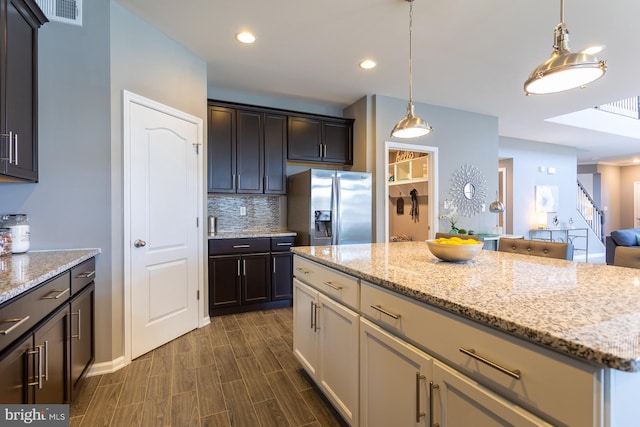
328 207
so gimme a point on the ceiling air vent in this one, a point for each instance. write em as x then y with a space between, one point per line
67 11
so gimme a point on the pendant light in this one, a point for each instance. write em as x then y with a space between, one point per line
564 70
410 126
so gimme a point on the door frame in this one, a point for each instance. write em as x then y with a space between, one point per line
636 203
130 98
432 184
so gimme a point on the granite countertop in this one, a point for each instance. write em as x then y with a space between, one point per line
21 272
251 234
588 311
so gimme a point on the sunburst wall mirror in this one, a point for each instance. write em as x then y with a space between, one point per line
468 190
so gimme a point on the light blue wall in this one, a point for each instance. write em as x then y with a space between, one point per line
461 137
146 62
70 206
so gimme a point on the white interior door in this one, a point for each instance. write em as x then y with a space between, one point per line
636 204
162 240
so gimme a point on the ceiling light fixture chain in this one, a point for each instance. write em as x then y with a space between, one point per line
410 126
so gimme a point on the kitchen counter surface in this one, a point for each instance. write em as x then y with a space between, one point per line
588 311
251 234
21 272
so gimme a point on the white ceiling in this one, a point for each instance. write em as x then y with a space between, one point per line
468 54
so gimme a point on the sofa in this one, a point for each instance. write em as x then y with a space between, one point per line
627 237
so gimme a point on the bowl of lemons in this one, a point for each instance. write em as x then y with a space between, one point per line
454 249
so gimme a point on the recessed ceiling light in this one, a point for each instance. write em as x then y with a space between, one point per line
245 37
367 64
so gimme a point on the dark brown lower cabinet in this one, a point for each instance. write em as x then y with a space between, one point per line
282 276
46 361
13 372
81 339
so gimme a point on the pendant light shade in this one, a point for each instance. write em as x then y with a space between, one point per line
497 206
565 69
410 126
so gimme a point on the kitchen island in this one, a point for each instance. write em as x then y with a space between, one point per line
559 339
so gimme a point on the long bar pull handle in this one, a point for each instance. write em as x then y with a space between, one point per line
79 323
284 244
233 184
315 323
58 293
46 360
419 414
238 268
86 274
312 314
38 353
515 373
16 323
385 311
15 149
320 147
10 147
241 246
333 286
244 267
432 387
274 265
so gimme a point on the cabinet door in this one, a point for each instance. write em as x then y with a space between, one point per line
338 142
52 336
256 278
82 336
460 402
305 139
224 281
221 150
20 87
13 372
394 378
338 369
275 154
305 337
249 152
281 276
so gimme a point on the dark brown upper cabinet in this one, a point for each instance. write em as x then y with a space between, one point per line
19 23
320 140
246 151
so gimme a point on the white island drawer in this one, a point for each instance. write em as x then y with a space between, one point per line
541 380
339 286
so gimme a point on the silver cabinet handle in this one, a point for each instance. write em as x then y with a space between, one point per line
15 150
472 353
419 414
139 243
238 268
79 323
241 246
384 311
10 136
58 292
86 274
432 387
315 323
313 311
38 353
320 147
16 323
283 244
274 265
325 150
333 286
244 267
46 360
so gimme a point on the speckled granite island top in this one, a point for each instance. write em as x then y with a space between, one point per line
588 311
251 234
21 272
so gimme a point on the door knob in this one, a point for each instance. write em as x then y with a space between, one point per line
139 243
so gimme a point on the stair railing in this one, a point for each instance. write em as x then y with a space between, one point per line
590 212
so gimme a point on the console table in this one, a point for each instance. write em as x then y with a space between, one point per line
563 234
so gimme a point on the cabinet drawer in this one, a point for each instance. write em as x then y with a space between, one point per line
82 275
341 287
281 244
239 246
17 316
546 379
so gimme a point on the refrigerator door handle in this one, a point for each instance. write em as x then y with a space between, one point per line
335 239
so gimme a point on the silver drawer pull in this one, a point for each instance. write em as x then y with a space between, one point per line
333 286
241 246
86 274
59 294
472 353
16 323
283 244
303 271
383 311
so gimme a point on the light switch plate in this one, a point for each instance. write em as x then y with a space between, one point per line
243 211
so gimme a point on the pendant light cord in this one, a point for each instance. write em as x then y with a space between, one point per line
562 11
410 51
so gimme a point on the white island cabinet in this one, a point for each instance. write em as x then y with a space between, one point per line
504 340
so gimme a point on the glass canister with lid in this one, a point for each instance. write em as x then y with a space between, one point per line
20 234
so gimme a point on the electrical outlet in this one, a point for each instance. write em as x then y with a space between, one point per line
243 211
483 207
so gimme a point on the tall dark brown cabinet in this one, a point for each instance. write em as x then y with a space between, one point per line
19 22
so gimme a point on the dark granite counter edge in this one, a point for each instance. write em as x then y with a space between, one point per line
250 234
560 345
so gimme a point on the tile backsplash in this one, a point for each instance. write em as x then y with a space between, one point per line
262 212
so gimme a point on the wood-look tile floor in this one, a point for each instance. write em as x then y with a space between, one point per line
238 371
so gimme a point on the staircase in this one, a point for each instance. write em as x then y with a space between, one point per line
592 214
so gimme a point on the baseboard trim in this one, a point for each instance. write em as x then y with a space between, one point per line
107 367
